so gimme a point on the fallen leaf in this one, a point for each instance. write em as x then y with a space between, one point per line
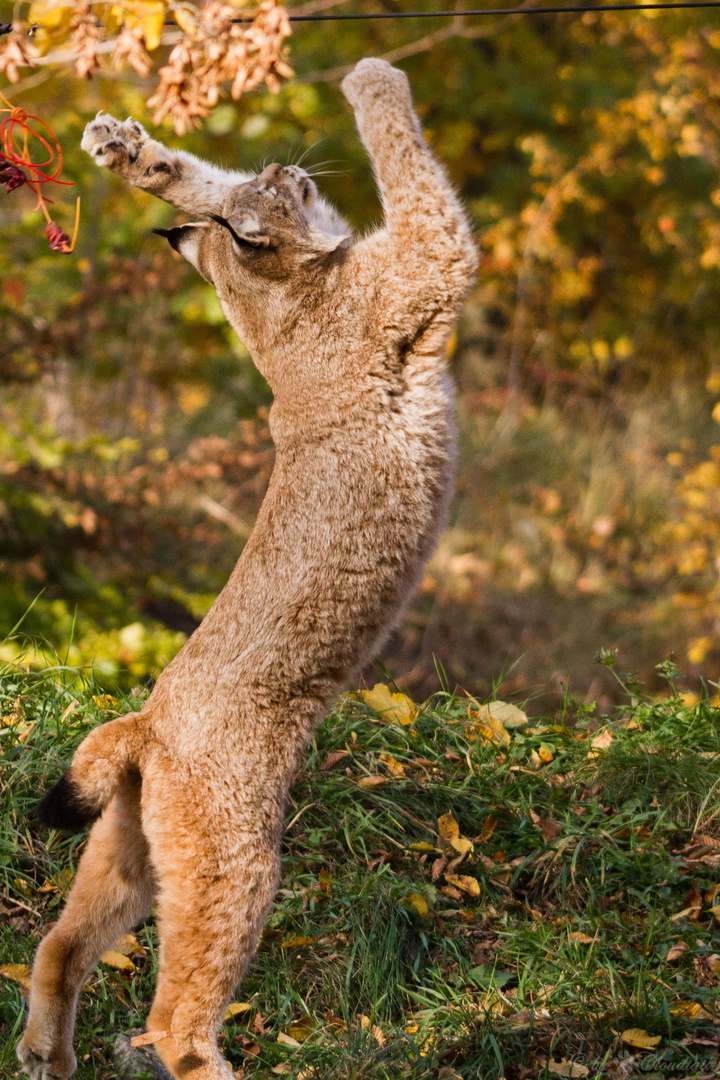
567 1068
128 945
450 832
675 952
19 973
418 902
332 759
600 743
325 882
371 782
437 868
392 765
583 939
640 1039
430 849
508 715
116 960
454 894
287 1040
296 942
469 885
488 828
393 708
693 902
301 1029
235 1008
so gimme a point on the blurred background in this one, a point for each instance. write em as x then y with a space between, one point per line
134 448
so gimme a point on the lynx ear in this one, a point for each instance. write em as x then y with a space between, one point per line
185 239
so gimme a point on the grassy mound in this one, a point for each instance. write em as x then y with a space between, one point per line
465 892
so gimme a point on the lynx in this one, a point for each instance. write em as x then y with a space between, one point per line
351 334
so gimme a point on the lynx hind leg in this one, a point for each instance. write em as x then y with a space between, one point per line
127 149
217 878
113 888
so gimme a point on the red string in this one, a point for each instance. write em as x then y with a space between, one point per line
20 156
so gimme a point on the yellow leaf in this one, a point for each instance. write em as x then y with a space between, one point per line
418 902
117 960
599 743
448 828
394 708
508 715
640 1039
582 939
235 1008
392 765
19 973
372 781
567 1068
423 847
462 845
469 885
287 1040
127 945
545 754
301 1029
325 882
296 942
716 911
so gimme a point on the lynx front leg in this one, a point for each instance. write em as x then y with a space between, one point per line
179 178
113 888
422 213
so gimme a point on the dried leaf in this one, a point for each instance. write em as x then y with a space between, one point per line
640 1039
418 902
128 945
117 961
236 1008
582 939
371 782
393 708
393 766
676 951
287 1040
466 884
333 758
19 973
567 1068
296 942
600 743
430 849
301 1029
508 715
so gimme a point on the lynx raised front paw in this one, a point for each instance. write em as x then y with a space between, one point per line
128 150
376 78
113 143
45 1064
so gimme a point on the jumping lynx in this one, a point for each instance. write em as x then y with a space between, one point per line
351 334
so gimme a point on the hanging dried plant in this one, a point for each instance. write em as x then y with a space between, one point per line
215 48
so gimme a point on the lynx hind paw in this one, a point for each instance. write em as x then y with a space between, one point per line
39 1067
113 143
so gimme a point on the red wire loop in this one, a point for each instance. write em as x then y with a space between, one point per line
20 156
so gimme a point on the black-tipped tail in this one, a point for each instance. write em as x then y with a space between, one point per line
64 807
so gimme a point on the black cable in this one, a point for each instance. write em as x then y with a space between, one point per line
500 11
5 28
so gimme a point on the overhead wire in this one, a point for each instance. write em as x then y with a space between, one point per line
572 9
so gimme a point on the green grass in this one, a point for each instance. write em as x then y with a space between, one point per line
582 858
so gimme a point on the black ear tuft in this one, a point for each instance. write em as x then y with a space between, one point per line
172 235
64 807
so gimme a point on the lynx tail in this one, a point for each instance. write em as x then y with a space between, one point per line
100 763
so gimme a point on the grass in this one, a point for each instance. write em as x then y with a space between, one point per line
596 849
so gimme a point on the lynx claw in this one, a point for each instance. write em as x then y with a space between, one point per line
111 143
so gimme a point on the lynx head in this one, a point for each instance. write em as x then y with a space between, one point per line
271 228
